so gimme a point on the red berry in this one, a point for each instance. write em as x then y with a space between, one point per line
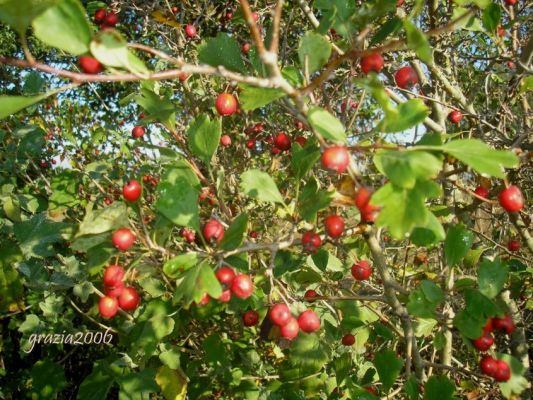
513 245
484 342
137 132
372 62
225 275
309 321
225 140
255 16
280 314
511 199
253 234
108 307
406 77
311 242
362 197
204 300
399 3
488 365
510 2
310 295
99 15
113 275
183 77
336 158
282 141
110 20
334 225
250 318
213 231
301 140
361 270
299 125
175 10
290 329
500 31
250 144
114 291
123 239
503 372
242 286
371 390
482 192
455 117
132 190
225 296
129 299
505 324
90 65
348 339
226 104
258 128
245 48
488 328
190 31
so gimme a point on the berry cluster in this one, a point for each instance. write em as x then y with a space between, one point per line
280 315
116 294
239 285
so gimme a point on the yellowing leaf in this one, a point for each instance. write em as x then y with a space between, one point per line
173 383
163 18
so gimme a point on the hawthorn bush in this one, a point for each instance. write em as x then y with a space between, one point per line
277 200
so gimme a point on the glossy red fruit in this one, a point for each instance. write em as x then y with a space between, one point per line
213 231
99 15
129 299
368 211
279 314
334 225
90 65
299 125
510 2
137 132
183 77
110 20
132 190
301 140
348 339
362 197
275 151
505 324
225 296
226 104
255 16
245 48
282 141
500 31
488 365
513 245
225 140
503 372
242 286
114 291
113 275
489 327
511 199
123 239
310 295
484 342
309 321
225 275
372 62
361 270
290 329
190 31
455 117
108 307
399 3
311 242
250 144
482 192
250 318
406 77
336 158
175 10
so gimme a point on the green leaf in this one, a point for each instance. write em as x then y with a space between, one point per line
517 383
316 48
48 379
173 383
388 367
97 384
303 159
326 125
252 97
439 388
343 12
478 310
342 365
105 219
526 84
158 107
407 115
312 200
491 17
424 300
235 234
417 41
430 234
20 13
38 234
222 50
178 202
203 137
260 185
481 157
308 353
458 241
412 388
403 168
178 172
325 261
138 385
10 105
492 276
387 29
111 49
65 187
424 326
65 27
181 263
11 290
196 282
